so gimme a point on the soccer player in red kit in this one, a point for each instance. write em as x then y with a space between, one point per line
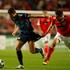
63 32
43 26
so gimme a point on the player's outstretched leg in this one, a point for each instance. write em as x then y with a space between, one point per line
34 50
45 51
46 60
51 50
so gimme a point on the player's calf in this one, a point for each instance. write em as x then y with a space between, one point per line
46 60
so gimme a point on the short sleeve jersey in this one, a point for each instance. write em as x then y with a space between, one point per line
23 22
44 24
63 27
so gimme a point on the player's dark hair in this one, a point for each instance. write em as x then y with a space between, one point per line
59 12
11 11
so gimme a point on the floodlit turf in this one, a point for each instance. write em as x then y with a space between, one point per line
59 61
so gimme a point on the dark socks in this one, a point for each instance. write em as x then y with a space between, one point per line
19 55
37 50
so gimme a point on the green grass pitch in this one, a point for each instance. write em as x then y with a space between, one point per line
59 61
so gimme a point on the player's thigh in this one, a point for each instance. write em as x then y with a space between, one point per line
47 37
21 40
57 38
55 41
19 44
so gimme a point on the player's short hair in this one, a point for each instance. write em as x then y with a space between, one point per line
59 12
11 11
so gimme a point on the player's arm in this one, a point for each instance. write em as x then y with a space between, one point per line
16 29
52 25
49 29
53 28
39 28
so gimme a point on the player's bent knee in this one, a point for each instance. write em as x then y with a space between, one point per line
32 51
56 41
18 48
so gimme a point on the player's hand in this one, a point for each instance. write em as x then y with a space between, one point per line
35 31
41 33
13 33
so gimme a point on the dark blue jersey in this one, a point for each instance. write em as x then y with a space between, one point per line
23 22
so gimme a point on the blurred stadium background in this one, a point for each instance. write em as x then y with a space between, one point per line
61 57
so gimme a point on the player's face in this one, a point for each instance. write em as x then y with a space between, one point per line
12 14
59 18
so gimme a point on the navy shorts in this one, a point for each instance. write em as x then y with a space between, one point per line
28 37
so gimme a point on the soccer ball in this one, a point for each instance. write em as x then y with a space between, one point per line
1 63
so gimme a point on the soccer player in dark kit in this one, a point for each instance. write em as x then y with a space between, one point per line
26 34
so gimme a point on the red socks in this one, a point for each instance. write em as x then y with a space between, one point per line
51 50
46 49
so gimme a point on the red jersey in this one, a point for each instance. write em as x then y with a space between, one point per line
44 24
63 27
